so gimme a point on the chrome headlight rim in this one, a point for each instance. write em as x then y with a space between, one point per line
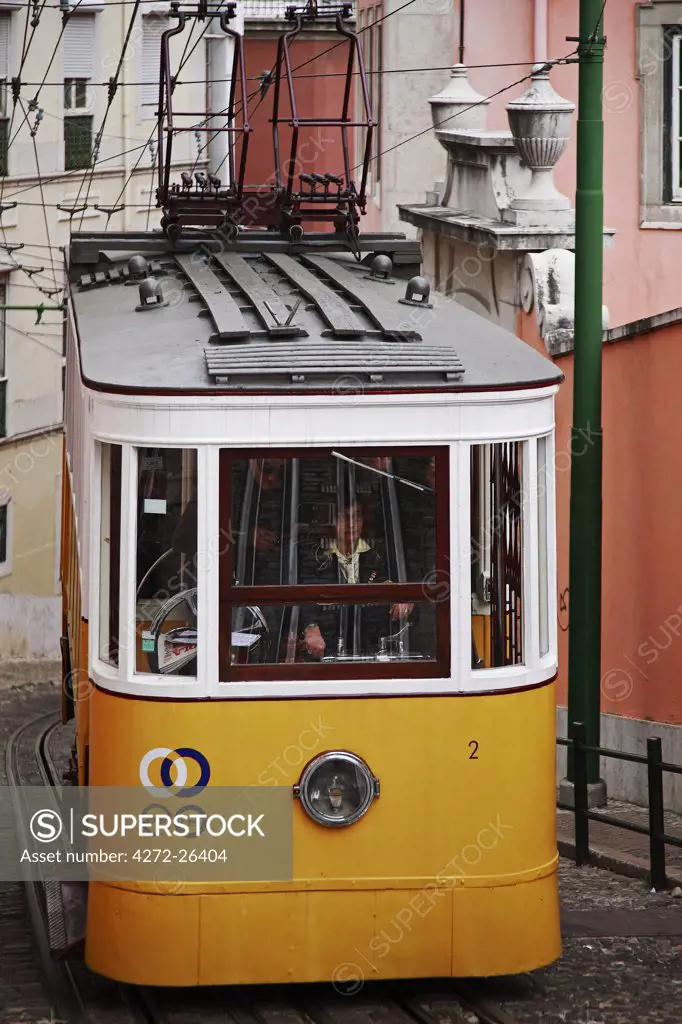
301 790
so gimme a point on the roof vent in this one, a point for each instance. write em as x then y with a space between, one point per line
137 267
381 269
151 295
417 293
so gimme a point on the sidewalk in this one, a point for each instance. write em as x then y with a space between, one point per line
619 850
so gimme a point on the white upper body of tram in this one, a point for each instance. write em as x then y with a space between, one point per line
175 359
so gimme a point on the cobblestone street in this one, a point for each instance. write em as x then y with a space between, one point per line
604 977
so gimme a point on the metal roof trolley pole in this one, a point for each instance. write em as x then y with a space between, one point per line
200 200
330 196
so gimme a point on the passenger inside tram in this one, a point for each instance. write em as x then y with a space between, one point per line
310 521
348 557
341 520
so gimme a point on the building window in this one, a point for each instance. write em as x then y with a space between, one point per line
5 534
332 564
79 40
4 79
370 26
659 59
672 142
153 27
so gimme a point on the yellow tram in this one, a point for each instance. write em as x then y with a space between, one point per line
309 542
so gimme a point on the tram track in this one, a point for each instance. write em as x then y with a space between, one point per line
80 997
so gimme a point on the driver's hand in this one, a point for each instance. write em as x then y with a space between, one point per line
264 539
398 610
314 642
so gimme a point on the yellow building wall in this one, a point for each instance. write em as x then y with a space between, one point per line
30 476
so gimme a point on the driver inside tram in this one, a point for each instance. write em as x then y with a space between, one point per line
348 557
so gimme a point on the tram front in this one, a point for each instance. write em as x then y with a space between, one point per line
320 567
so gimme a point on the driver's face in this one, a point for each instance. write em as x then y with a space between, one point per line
349 526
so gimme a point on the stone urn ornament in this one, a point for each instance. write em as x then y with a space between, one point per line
540 122
458 106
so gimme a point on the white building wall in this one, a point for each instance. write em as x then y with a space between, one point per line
421 36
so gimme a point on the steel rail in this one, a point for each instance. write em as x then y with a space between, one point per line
58 975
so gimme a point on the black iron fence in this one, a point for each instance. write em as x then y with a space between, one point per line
656 769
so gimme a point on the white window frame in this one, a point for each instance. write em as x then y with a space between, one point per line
87 108
658 209
675 126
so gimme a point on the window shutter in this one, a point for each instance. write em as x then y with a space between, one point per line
153 27
4 46
79 41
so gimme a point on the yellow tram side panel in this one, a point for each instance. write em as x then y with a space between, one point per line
74 627
451 872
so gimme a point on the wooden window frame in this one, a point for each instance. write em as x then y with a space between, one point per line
231 596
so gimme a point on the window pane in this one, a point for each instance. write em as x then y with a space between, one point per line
110 553
333 519
166 603
3 533
496 555
338 633
77 143
543 590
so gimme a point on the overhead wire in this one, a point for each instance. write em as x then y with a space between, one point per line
323 74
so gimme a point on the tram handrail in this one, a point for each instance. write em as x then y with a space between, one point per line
581 753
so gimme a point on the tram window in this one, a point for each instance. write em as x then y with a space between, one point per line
338 633
543 492
333 519
166 575
497 555
351 520
110 552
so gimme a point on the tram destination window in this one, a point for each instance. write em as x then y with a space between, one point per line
335 563
166 573
496 555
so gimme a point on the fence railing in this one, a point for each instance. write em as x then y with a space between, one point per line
656 769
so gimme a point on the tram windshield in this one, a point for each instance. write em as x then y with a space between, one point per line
333 557
326 559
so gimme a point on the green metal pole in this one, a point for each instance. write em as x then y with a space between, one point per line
584 640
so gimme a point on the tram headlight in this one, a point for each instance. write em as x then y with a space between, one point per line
337 788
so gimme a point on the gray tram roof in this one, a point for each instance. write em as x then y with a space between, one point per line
222 325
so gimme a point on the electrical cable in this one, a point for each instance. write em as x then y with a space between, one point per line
26 46
324 74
